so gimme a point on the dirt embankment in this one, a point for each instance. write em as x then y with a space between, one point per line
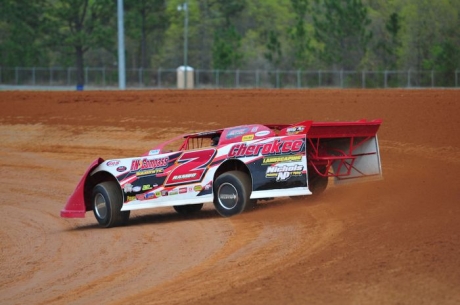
395 241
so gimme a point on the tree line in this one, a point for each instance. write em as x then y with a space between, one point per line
234 34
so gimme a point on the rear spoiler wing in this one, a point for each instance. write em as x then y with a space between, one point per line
343 150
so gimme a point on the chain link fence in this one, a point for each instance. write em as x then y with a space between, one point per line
107 78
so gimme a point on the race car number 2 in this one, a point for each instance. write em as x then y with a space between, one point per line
191 167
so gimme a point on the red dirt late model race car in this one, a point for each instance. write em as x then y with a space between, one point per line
231 167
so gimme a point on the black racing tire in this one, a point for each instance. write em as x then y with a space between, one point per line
188 208
231 193
107 201
317 184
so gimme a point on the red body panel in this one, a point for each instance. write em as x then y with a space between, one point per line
75 207
344 129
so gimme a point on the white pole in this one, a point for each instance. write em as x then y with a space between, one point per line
184 7
185 43
121 47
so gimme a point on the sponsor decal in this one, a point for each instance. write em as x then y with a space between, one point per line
233 133
184 177
173 192
113 162
150 172
295 129
128 188
254 129
121 169
140 196
147 187
281 159
158 194
248 137
154 152
147 163
284 172
262 133
130 198
197 188
208 186
149 195
182 190
275 147
164 193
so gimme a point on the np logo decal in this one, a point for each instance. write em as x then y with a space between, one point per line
283 173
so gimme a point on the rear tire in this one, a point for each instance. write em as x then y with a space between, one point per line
107 202
231 193
188 208
317 184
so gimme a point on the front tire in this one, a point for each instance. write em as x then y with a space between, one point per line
231 193
107 202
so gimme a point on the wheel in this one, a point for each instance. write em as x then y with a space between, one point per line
107 203
188 208
317 184
231 193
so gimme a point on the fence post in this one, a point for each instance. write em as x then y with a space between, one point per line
385 81
319 78
197 82
408 78
456 78
237 78
341 78
141 81
33 76
299 83
277 79
363 80
217 78
159 78
86 75
258 81
432 79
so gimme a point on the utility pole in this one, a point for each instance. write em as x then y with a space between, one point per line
121 47
184 7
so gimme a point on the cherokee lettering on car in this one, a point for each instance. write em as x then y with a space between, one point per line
275 147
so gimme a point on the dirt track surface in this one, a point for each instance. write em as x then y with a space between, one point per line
394 241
